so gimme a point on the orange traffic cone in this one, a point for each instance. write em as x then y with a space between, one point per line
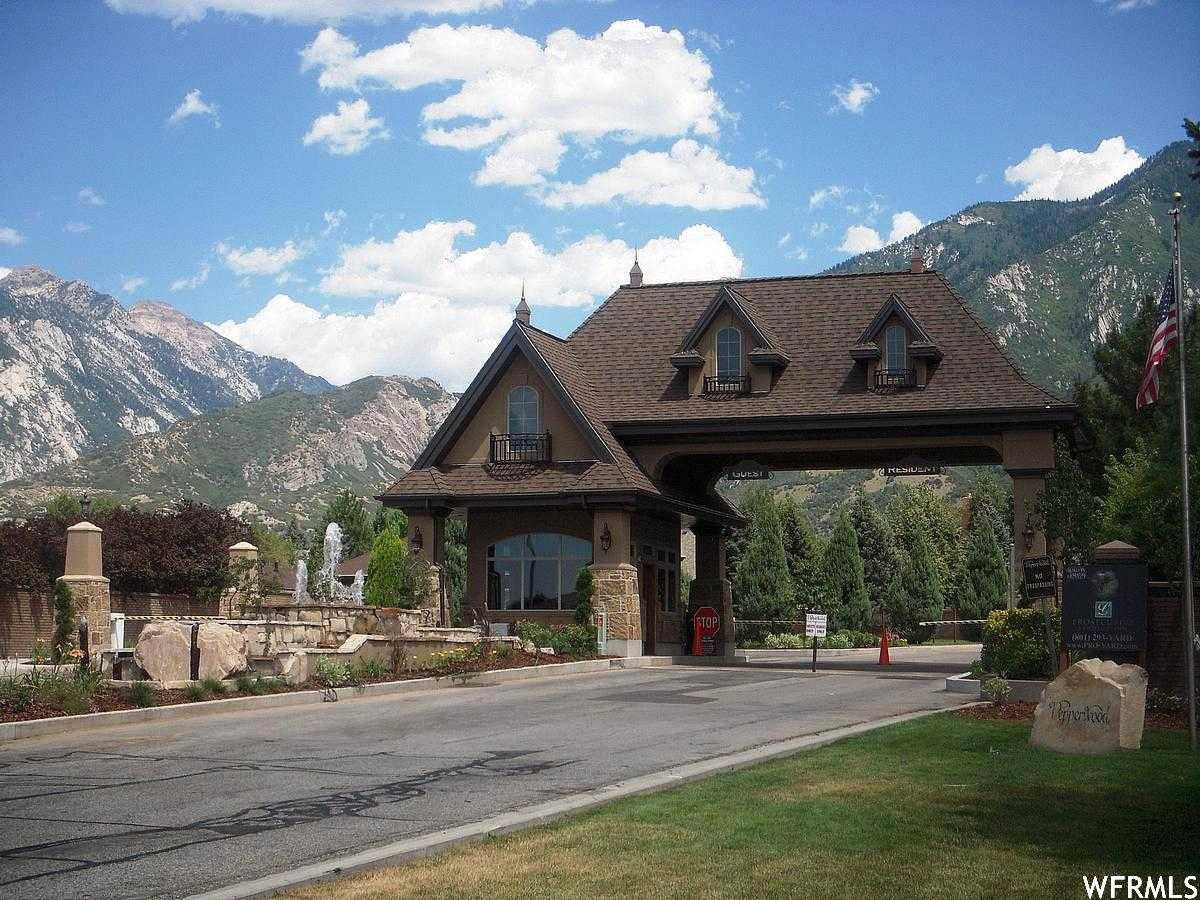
884 658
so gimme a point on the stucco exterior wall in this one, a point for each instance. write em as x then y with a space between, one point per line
566 441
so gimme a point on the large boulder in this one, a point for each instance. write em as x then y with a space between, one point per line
1094 707
164 650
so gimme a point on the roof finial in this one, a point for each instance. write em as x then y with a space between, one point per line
635 274
523 312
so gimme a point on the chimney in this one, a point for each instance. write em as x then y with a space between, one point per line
917 265
523 312
635 274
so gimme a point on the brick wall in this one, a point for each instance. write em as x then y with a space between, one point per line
26 618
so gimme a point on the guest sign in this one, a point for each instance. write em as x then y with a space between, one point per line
1104 606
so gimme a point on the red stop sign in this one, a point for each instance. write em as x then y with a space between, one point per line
708 622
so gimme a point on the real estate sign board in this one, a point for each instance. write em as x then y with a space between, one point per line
1104 606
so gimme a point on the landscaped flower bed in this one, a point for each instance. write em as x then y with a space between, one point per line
71 690
1018 711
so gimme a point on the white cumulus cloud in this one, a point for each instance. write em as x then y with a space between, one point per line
333 220
89 197
300 11
855 96
831 194
347 131
445 307
194 105
860 239
521 101
132 283
1049 174
904 224
77 227
10 236
261 260
190 284
689 175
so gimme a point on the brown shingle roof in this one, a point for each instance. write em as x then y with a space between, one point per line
815 319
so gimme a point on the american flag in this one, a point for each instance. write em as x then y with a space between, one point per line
1166 336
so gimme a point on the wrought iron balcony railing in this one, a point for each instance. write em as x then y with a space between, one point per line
726 384
519 448
893 379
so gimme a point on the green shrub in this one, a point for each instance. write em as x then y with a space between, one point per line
16 694
787 641
274 685
369 670
996 689
64 621
443 658
213 686
585 591
244 684
1014 643
502 650
564 640
533 633
141 694
195 692
331 674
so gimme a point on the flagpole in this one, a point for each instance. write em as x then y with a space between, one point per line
1189 609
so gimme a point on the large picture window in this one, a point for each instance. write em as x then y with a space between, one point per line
535 571
523 415
729 353
897 349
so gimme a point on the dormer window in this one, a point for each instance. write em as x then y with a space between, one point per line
523 413
897 349
729 353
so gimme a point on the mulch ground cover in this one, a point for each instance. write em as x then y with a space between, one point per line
1019 711
108 698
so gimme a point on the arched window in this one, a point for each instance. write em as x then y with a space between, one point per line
897 349
729 353
535 571
523 414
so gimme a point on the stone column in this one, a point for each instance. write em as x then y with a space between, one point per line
617 594
1028 457
711 587
427 537
243 560
84 575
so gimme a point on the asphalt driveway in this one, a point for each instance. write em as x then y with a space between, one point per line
173 809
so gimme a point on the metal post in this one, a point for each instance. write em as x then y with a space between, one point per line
1189 610
195 669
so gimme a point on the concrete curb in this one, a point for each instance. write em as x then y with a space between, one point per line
12 731
539 814
1026 691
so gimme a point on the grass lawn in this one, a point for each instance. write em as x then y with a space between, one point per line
939 807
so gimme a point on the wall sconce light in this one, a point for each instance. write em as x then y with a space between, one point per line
417 541
605 539
1027 533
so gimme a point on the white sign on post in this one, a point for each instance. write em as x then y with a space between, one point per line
815 624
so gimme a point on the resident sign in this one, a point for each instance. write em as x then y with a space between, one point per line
815 624
1104 606
912 465
1040 580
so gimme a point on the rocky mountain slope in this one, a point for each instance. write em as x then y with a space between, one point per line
269 459
79 371
1052 278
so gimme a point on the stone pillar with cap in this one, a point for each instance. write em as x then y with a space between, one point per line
243 562
84 575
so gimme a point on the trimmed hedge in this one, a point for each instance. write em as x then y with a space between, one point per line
1014 642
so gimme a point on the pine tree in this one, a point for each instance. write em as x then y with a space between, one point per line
920 596
880 553
849 606
985 571
761 581
391 574
64 622
454 568
805 556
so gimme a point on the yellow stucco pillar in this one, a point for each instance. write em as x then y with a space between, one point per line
84 575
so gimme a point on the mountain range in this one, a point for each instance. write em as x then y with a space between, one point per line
147 404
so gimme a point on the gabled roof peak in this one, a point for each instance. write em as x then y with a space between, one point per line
894 306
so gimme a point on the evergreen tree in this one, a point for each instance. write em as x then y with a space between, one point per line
761 581
1068 507
985 570
805 556
920 596
64 622
1192 130
392 574
455 568
848 606
385 518
880 553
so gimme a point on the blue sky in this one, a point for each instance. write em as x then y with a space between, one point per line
367 194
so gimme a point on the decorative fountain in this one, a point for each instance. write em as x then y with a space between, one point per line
327 588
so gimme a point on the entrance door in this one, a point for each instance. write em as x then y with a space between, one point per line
649 594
